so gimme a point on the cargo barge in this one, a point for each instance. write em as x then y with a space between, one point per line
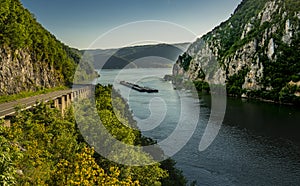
138 88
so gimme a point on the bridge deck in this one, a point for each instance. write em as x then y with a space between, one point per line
8 108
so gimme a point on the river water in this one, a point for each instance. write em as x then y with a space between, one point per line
258 143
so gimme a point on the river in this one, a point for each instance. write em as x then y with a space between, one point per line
258 143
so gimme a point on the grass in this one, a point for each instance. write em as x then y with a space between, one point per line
8 98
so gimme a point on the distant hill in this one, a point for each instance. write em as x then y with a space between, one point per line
163 55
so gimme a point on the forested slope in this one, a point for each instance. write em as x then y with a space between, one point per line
30 56
42 147
257 50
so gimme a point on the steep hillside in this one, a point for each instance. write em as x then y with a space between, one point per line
30 56
257 49
131 57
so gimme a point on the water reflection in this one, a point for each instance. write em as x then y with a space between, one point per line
258 143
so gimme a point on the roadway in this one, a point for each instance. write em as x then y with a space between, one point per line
8 108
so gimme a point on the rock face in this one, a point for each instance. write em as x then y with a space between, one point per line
249 51
19 72
30 56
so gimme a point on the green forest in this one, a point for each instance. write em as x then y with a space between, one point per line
281 74
19 30
44 147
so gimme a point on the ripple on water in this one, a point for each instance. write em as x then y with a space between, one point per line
252 147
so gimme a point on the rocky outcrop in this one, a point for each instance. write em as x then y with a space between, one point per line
19 72
247 46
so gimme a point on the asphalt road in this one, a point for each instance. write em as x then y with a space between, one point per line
8 108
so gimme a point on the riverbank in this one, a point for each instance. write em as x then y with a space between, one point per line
204 87
60 147
256 145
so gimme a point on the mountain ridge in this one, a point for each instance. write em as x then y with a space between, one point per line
257 50
132 56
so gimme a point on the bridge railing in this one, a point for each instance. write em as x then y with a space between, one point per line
60 101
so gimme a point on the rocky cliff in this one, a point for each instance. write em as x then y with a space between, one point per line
19 73
31 57
255 52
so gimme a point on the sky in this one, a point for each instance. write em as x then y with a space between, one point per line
106 24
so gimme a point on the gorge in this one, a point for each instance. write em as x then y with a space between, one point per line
255 53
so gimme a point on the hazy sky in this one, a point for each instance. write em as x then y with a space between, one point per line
78 23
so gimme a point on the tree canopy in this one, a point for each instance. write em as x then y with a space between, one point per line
42 147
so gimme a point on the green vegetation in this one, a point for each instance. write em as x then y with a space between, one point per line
278 70
287 94
42 90
229 32
202 86
278 73
44 148
120 124
185 61
8 155
235 82
19 30
292 5
287 68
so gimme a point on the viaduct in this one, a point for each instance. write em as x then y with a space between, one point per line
61 100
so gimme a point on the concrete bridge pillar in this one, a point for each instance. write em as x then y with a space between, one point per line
56 103
87 90
84 93
77 94
68 100
72 96
62 103
80 93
